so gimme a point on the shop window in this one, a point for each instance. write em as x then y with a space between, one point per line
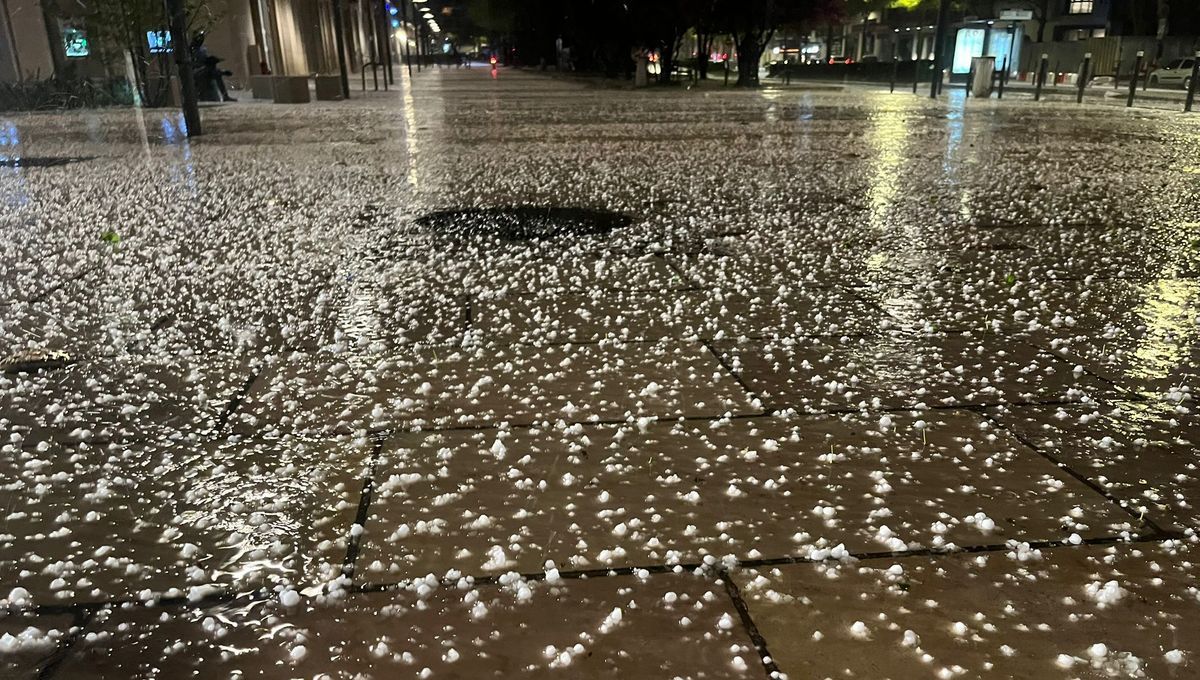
1080 6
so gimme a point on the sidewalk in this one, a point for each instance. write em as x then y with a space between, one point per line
835 385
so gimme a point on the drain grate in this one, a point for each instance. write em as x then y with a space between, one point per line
39 161
524 223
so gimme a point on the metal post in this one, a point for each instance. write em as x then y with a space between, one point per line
1040 81
1133 78
339 35
183 60
1003 77
895 57
916 74
939 40
1191 95
385 24
970 78
726 62
1084 73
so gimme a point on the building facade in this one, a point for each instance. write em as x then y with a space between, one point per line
39 38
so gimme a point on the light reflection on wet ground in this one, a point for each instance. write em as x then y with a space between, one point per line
300 432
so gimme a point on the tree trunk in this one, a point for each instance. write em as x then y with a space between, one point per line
666 61
703 47
749 52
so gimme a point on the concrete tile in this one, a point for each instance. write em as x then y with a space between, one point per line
684 314
606 496
27 641
616 627
91 523
1154 360
1011 615
489 385
905 371
1143 453
166 397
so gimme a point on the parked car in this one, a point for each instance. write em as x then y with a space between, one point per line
841 60
1177 73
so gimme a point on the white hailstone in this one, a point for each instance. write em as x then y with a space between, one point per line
289 597
959 629
1064 661
1098 650
1173 657
769 445
725 622
612 620
1104 594
552 576
19 597
498 449
298 652
739 664
859 630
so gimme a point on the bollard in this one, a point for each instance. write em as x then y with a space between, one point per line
1040 80
970 79
916 74
1133 78
1003 77
1057 71
895 67
1084 72
727 73
1191 95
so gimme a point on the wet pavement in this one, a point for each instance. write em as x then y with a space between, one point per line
831 384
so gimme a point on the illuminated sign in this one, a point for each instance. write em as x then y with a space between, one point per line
75 43
159 41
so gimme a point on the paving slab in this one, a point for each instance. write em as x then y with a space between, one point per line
594 497
490 385
28 640
1127 611
168 396
93 523
1156 360
1011 303
906 371
609 627
710 313
1144 453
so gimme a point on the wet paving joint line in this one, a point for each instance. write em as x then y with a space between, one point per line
756 637
354 542
729 369
1088 482
691 282
80 620
1124 392
226 596
693 567
234 402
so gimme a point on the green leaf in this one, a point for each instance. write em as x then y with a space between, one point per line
110 237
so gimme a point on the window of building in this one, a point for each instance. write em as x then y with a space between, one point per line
1082 33
1080 6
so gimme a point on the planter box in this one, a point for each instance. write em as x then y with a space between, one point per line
329 88
262 87
291 90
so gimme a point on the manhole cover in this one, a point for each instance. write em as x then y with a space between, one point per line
524 223
38 161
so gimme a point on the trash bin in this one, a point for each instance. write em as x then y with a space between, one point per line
985 71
